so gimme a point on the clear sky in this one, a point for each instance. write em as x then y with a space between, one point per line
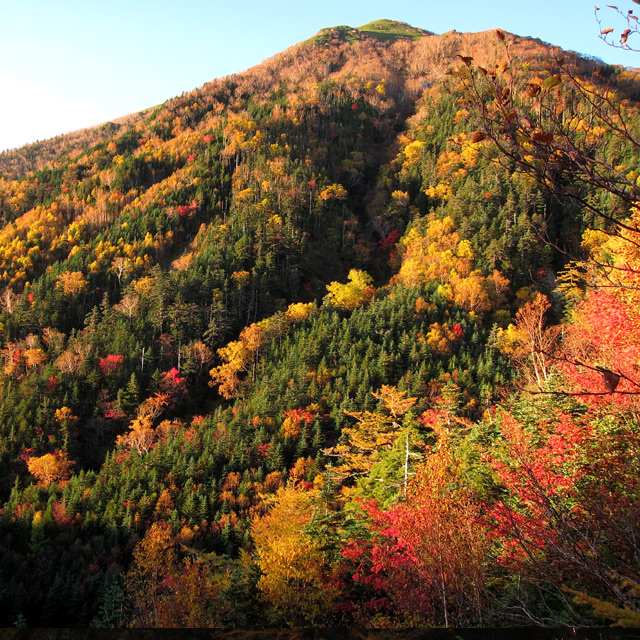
69 64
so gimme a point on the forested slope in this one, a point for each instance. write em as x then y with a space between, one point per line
262 346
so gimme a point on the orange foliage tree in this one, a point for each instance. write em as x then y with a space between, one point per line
529 343
141 435
72 283
167 592
51 467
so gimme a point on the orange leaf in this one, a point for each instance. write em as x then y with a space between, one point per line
542 136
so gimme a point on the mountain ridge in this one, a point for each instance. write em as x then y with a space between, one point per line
441 52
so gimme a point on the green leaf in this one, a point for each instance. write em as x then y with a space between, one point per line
552 81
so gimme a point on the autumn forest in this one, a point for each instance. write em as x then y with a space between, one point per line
350 339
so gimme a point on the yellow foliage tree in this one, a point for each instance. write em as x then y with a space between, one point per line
34 357
294 577
439 254
166 592
432 255
614 259
237 357
333 192
241 278
226 375
65 415
440 337
354 293
300 311
371 434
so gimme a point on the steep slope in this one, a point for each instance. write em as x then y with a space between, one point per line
201 236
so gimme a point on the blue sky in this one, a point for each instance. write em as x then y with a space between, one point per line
68 64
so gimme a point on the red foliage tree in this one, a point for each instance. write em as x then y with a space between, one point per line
425 558
569 515
602 350
111 363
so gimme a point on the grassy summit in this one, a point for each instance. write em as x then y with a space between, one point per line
392 30
385 30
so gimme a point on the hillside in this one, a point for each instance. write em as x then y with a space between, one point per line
256 336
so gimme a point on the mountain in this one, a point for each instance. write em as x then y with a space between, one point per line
231 321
